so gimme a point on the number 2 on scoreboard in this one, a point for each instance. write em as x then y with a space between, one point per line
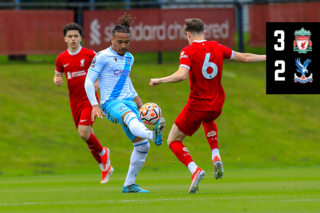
281 70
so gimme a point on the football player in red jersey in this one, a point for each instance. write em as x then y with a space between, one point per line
74 62
202 60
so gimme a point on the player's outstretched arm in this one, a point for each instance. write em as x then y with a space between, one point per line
180 75
248 57
57 79
90 90
138 101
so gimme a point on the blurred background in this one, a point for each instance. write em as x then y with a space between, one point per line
38 135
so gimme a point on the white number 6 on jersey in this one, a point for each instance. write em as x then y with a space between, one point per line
206 65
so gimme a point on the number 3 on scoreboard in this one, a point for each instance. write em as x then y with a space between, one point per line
280 40
281 70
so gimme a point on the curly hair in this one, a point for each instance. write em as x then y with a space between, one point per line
72 26
123 24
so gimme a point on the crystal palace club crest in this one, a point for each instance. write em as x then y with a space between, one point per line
302 68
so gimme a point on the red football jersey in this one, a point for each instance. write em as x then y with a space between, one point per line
75 66
204 60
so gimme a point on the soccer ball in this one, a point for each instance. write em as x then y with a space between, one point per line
150 113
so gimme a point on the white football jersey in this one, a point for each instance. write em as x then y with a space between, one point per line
112 71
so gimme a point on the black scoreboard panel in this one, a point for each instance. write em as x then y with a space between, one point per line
293 58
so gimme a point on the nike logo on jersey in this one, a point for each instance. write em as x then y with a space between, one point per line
66 65
83 120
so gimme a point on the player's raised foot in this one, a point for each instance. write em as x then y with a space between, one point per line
106 175
157 131
134 188
218 170
196 177
105 159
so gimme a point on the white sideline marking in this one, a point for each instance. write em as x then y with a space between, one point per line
230 74
154 200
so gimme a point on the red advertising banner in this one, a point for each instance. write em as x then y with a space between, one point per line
259 15
158 30
33 31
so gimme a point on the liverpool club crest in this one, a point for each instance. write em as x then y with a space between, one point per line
302 44
303 70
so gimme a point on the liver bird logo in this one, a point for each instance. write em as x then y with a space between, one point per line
303 44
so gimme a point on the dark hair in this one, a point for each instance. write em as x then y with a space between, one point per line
194 25
123 24
72 26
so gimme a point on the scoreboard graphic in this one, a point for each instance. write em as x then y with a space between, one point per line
293 58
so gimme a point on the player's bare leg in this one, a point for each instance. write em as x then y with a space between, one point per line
138 157
211 132
101 154
182 153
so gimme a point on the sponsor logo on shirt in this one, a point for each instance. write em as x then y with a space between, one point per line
183 55
82 63
76 74
115 59
118 72
66 65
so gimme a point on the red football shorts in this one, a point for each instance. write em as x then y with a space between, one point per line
82 116
189 121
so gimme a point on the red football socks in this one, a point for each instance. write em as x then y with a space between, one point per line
94 153
211 131
181 152
95 142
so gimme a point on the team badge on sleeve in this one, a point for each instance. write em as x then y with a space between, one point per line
183 55
94 61
302 44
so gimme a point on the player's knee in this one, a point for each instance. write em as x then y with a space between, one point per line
84 134
128 118
142 147
169 142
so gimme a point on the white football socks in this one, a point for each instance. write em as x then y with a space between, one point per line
192 166
103 152
215 152
138 157
101 166
136 127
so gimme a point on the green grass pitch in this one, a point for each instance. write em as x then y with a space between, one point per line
280 190
269 145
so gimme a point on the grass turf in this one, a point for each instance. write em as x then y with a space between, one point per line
255 129
291 189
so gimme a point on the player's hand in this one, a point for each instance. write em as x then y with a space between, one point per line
154 82
58 80
96 111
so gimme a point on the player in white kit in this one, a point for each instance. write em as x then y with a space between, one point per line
112 67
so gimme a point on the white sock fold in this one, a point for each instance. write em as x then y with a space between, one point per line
136 127
101 166
215 152
192 166
103 152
